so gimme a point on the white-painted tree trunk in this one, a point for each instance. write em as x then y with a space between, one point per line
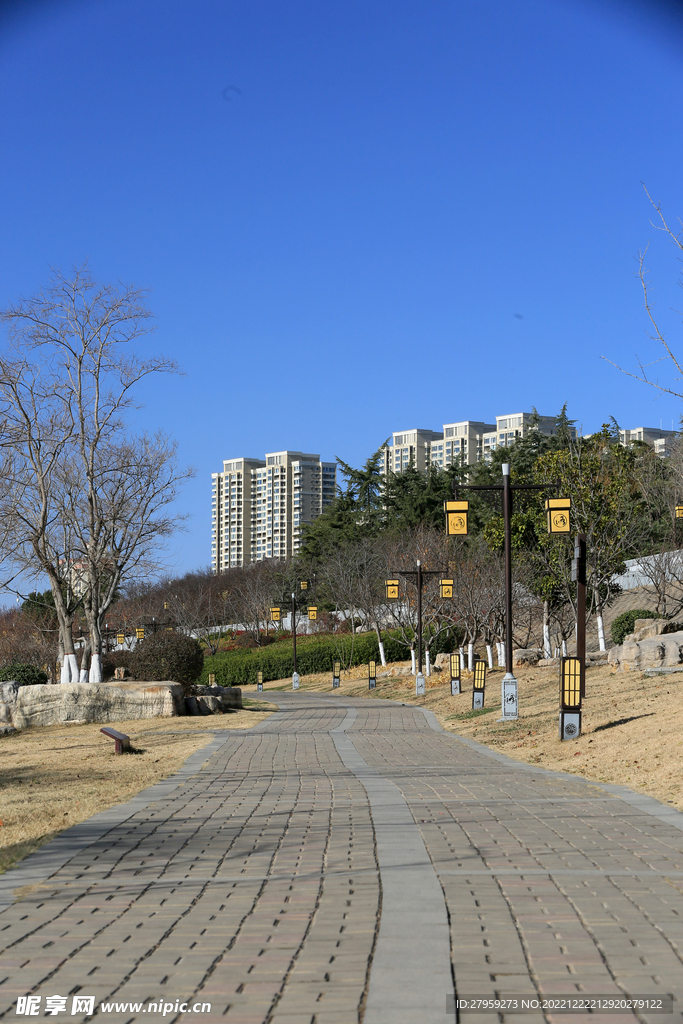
489 653
564 648
412 662
500 653
72 668
428 664
546 641
64 672
601 633
95 674
470 657
83 675
557 652
382 656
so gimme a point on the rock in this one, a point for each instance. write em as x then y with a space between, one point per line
547 662
657 651
526 656
614 656
229 697
120 672
88 702
442 661
596 657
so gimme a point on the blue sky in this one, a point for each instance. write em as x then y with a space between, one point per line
340 207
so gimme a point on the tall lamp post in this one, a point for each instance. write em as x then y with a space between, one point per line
416 576
456 525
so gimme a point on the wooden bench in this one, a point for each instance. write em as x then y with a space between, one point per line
121 741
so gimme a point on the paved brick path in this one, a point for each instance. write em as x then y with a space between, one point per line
346 861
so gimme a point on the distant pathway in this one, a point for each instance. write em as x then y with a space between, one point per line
347 860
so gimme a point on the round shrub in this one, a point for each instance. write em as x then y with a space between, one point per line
624 623
167 655
25 675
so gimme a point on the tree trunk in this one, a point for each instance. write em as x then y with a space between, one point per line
470 657
546 630
412 660
427 664
601 625
489 654
85 657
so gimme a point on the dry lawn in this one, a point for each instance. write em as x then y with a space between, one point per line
632 728
56 776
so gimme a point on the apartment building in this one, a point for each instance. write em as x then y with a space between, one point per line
259 506
660 440
410 446
464 443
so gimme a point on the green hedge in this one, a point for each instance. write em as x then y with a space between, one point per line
625 623
25 675
313 654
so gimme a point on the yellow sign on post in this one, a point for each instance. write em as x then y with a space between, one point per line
557 510
456 517
392 590
679 511
447 588
120 638
304 584
312 612
274 614
140 632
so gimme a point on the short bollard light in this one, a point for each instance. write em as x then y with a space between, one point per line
312 612
420 685
372 675
295 680
446 589
304 584
140 633
557 510
212 678
679 511
259 680
121 639
336 674
391 589
275 614
456 517
455 674
479 683
570 699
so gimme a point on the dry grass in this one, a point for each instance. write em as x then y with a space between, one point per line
56 776
632 730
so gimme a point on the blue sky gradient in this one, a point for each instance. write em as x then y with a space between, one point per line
342 209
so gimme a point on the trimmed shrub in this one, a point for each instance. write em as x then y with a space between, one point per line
25 675
624 623
167 655
313 654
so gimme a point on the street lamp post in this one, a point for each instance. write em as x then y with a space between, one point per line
392 594
456 523
295 676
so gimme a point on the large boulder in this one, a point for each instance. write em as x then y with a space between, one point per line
94 702
526 656
662 650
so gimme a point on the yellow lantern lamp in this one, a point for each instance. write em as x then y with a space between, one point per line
557 510
456 517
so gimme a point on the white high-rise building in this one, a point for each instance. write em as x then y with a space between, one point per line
259 506
462 443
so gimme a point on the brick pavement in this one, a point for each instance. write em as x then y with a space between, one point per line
347 861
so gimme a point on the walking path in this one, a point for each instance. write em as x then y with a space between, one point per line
347 860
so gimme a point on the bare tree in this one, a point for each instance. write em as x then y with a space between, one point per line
104 494
657 335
